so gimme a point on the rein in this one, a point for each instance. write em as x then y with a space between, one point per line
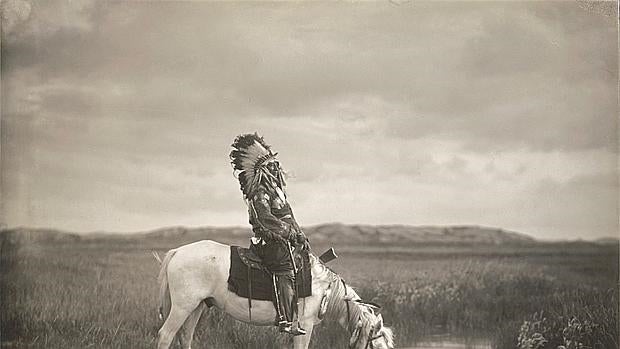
347 303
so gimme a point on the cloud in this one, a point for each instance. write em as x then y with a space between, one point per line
28 20
14 13
582 207
419 113
473 80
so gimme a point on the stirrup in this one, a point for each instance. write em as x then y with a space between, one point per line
285 326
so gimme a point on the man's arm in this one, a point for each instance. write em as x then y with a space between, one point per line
262 213
300 239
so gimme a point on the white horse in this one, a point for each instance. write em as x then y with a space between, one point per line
196 275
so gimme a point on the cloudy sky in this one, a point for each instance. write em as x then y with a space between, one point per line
119 116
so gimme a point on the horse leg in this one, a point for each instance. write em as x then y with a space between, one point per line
175 320
187 331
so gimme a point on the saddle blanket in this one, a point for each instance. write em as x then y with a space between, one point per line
244 262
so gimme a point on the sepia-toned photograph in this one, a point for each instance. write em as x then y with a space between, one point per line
325 174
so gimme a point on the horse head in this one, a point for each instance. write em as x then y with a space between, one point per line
370 333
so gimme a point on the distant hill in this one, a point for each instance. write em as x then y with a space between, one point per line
608 240
334 233
22 235
402 234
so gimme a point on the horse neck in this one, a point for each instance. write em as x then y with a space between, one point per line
347 313
349 310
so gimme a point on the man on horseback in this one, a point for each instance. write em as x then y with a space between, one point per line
277 234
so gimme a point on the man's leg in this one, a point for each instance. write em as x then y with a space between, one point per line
280 319
286 293
278 260
288 303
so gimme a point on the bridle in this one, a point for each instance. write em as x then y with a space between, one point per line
371 339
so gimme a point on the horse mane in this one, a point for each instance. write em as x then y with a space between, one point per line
389 336
336 304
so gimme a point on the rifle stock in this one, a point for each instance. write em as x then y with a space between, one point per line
328 255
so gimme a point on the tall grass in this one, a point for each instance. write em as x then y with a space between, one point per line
498 301
104 295
77 298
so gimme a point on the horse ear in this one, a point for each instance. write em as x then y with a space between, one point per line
379 323
356 333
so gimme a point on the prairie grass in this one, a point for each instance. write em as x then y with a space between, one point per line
103 294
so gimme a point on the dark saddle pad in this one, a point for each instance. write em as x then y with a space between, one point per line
246 270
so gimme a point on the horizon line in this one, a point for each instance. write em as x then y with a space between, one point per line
189 227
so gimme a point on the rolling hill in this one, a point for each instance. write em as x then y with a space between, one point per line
333 233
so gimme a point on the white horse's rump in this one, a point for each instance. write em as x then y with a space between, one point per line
195 274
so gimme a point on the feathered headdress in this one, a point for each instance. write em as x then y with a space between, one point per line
249 158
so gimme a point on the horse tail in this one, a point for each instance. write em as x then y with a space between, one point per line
164 291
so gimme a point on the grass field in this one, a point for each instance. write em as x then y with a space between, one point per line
103 294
